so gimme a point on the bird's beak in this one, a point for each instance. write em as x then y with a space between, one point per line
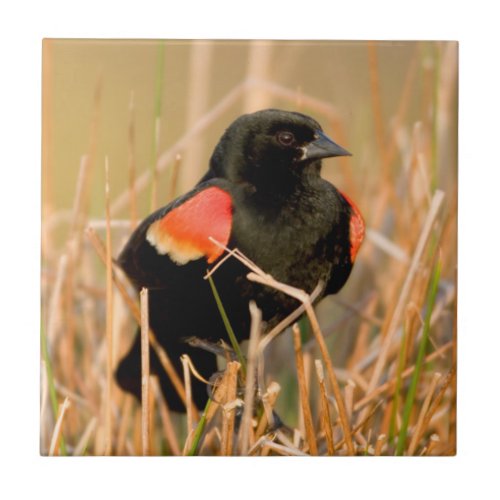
323 147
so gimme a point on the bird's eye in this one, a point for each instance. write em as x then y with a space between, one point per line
285 138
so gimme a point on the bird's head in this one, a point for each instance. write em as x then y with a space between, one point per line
271 146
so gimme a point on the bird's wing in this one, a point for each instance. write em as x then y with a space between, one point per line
355 232
356 227
179 234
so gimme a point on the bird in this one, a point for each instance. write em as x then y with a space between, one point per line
263 193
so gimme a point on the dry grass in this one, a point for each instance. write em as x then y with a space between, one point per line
356 354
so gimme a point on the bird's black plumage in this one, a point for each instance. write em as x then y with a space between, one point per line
283 216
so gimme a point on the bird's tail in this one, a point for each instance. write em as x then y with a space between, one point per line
128 373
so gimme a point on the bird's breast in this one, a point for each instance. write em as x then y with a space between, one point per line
297 241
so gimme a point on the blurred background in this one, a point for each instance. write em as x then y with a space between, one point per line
153 112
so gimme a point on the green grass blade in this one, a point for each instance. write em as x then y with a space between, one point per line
229 328
397 391
435 105
50 381
410 398
305 333
199 431
160 79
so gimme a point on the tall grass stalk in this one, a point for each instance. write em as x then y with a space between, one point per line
399 379
246 433
435 118
159 84
200 427
227 324
326 422
304 396
57 434
50 382
145 407
109 319
412 390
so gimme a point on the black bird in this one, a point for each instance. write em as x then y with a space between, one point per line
263 194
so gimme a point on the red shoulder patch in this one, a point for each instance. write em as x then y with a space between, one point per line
356 228
184 232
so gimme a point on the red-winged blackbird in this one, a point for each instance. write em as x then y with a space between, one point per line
264 195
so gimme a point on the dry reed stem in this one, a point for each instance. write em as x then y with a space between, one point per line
258 67
82 202
168 427
228 413
404 101
417 433
83 442
174 178
258 446
145 408
349 398
332 377
114 223
453 397
341 324
405 291
156 173
153 442
109 319
283 439
189 401
376 102
218 396
379 444
387 186
134 309
433 442
54 317
136 435
296 438
383 243
361 440
67 344
360 425
283 324
313 103
359 310
326 421
47 141
56 435
132 163
303 393
392 383
268 401
198 90
282 450
362 338
73 396
246 419
77 214
126 413
448 380
45 422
